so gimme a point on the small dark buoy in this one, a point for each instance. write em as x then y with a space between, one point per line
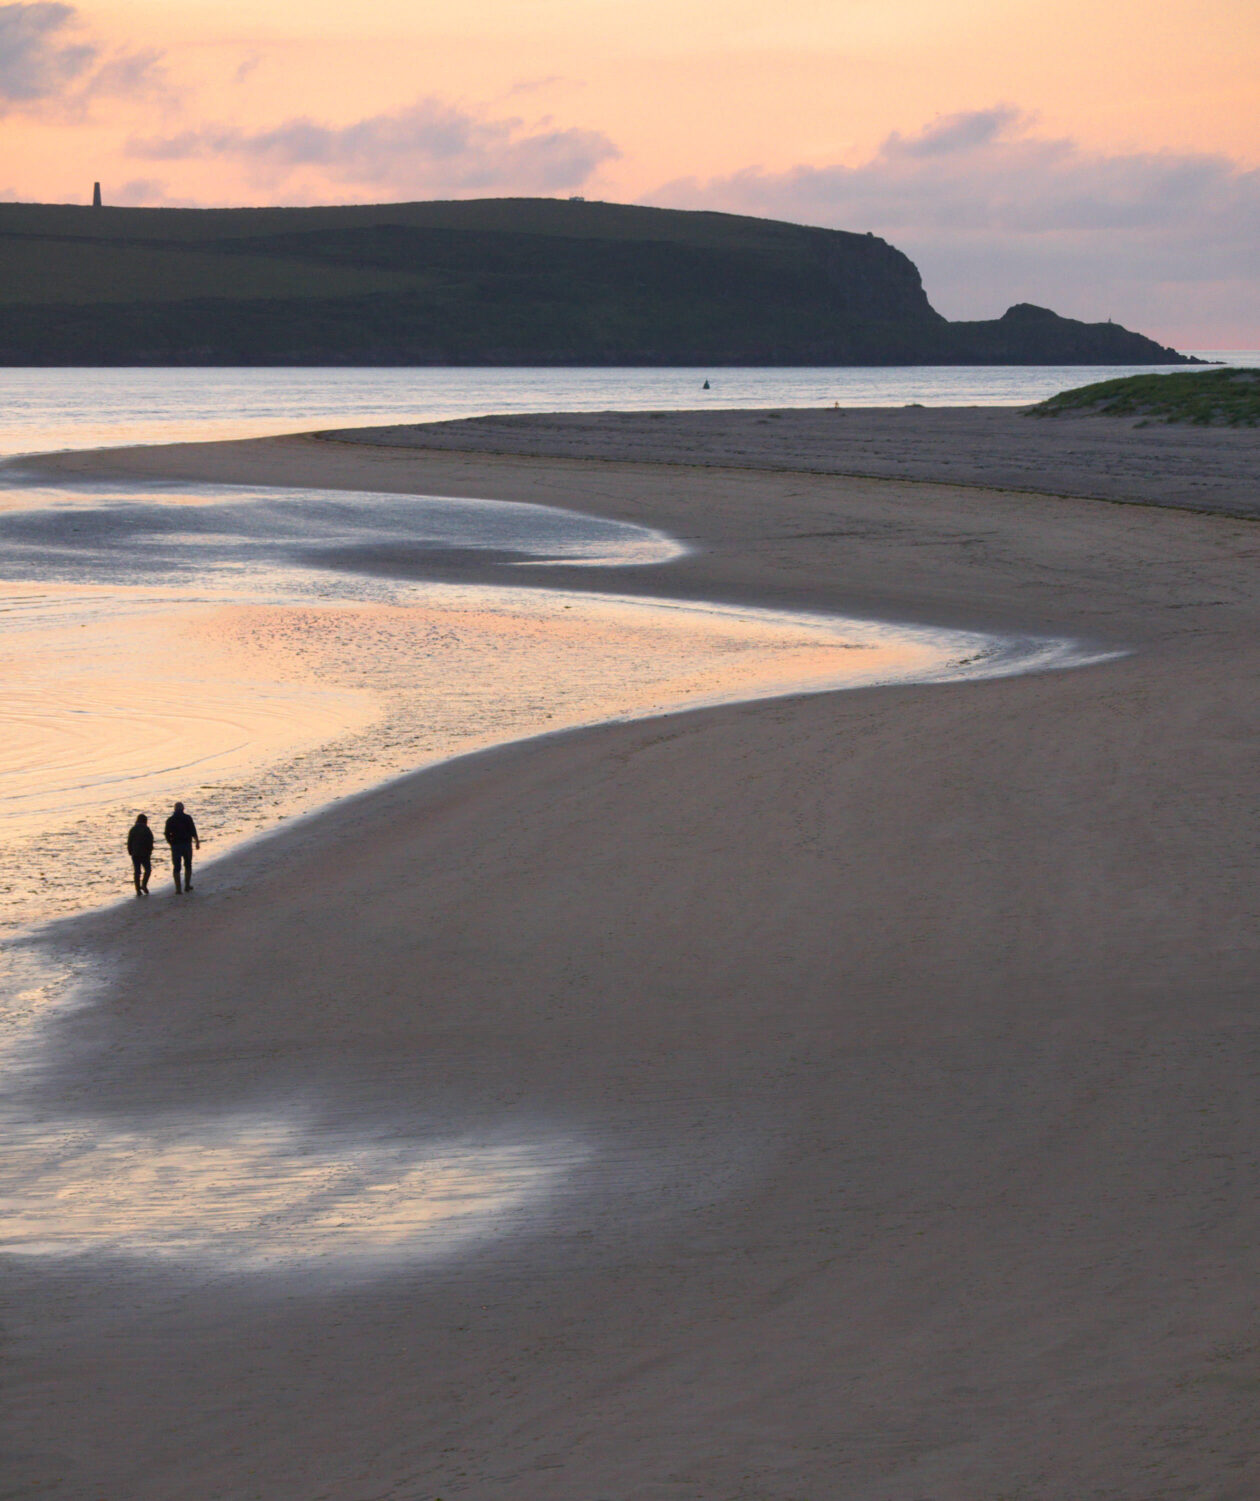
705 387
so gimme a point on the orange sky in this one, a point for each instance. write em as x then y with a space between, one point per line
660 92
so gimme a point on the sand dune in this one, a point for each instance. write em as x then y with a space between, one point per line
902 1041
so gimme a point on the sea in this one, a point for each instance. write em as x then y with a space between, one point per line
42 410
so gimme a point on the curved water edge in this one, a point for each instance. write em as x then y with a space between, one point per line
246 574
134 531
240 644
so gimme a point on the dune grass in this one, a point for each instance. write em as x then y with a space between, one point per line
1228 397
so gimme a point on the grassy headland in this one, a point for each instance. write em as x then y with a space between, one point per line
489 282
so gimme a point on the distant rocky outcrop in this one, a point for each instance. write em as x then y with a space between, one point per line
1029 335
489 282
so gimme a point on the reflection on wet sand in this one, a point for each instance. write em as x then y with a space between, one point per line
256 689
252 1192
123 701
107 693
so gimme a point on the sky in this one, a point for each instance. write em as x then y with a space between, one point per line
1101 157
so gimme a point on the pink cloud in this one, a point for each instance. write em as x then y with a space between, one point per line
46 61
994 213
430 147
37 61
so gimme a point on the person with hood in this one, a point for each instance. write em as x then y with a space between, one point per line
140 848
181 835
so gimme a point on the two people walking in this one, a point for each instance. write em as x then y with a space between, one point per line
180 833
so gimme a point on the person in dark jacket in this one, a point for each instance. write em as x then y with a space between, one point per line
181 835
140 848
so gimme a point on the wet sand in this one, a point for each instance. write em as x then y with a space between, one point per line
246 649
258 709
893 1053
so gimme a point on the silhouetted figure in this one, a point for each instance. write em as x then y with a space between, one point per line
140 848
181 835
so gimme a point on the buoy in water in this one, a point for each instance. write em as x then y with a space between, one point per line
705 387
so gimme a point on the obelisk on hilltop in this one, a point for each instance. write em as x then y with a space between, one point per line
96 195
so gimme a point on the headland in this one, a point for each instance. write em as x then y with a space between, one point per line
506 281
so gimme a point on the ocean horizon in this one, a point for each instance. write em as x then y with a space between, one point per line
45 409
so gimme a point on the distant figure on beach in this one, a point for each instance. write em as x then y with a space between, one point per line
140 848
181 835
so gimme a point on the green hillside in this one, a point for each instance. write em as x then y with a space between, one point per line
487 282
1211 398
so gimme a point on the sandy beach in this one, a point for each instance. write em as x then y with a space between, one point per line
875 1070
1004 448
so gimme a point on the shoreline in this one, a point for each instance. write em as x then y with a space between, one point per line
910 1032
712 649
673 502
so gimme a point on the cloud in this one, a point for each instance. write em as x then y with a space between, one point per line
431 147
993 214
128 74
247 66
36 61
44 61
144 192
960 132
534 85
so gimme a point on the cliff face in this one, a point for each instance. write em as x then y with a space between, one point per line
488 282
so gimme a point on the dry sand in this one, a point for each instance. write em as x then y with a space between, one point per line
911 1032
1209 469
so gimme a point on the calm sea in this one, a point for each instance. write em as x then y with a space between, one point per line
42 410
